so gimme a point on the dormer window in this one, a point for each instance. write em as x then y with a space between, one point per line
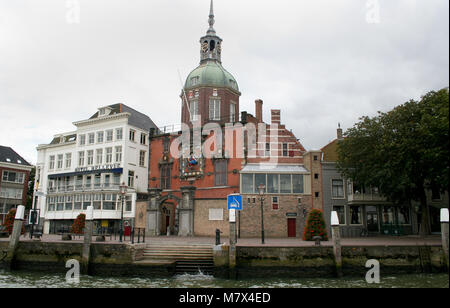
103 112
195 80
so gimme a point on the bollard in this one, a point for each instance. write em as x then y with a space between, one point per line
88 229
15 237
337 249
444 233
232 253
217 237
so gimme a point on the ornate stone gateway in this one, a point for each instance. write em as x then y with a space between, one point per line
184 212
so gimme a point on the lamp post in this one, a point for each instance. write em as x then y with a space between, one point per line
261 190
123 191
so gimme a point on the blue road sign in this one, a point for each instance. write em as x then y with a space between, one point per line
235 202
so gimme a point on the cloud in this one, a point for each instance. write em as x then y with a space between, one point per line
320 62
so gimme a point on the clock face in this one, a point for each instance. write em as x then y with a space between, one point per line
205 47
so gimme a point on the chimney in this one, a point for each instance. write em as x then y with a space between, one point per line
276 117
340 135
258 110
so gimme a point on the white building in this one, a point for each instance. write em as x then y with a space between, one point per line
87 166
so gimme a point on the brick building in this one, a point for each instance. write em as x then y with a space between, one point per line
218 151
14 177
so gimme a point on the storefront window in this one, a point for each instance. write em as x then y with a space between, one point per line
285 184
272 184
355 215
388 215
341 213
297 184
247 184
403 215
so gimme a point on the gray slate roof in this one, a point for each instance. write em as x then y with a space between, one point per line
136 119
8 155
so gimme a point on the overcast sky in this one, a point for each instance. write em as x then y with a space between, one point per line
320 61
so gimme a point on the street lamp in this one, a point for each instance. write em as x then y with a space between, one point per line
261 190
123 191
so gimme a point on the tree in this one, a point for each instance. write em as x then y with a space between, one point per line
78 224
403 152
9 221
315 226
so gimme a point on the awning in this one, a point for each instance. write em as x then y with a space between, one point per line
266 168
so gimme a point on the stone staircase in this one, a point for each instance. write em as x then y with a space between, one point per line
188 258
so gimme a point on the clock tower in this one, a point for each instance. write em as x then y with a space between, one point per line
211 93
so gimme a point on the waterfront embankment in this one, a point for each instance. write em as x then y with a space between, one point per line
276 258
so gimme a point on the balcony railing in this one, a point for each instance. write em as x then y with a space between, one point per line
87 187
373 197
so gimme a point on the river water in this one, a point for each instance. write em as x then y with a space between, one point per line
21 279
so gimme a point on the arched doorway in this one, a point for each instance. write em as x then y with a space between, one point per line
168 210
168 215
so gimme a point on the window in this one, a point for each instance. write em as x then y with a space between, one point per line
315 157
214 109
247 184
87 199
337 187
132 134
220 172
79 182
90 157
260 179
355 215
78 202
97 201
341 213
109 135
165 176
109 202
51 204
267 152
128 205
388 215
131 179
285 149
99 156
166 145
60 203
116 179
97 181
232 113
11 193
119 133
82 139
195 80
285 184
68 160
403 215
107 180
143 138
108 155
91 138
317 194
275 203
99 137
297 184
316 176
193 109
14 177
273 184
80 159
88 182
118 154
51 165
142 158
59 163
68 205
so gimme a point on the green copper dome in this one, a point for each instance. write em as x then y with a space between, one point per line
211 73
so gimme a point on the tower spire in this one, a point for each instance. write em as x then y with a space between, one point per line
211 20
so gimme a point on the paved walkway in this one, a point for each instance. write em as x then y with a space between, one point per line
269 242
